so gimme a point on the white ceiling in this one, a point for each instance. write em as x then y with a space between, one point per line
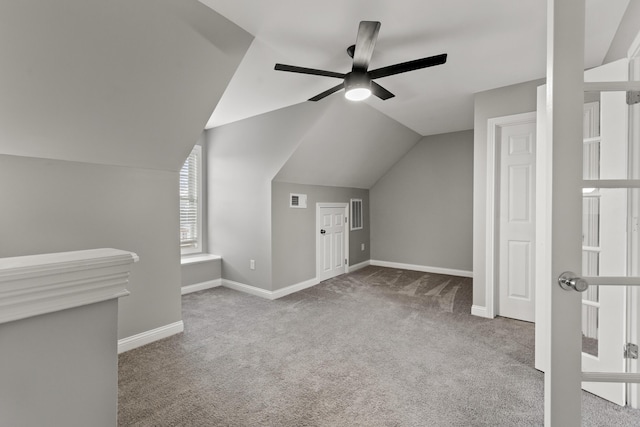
491 43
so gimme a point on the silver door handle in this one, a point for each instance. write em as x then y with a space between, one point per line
570 281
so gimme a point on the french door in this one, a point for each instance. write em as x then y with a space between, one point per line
605 235
565 235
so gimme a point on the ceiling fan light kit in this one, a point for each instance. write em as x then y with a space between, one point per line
359 84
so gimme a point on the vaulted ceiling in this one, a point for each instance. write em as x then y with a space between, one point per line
347 147
118 82
491 43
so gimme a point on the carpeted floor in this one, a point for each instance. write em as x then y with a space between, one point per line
377 347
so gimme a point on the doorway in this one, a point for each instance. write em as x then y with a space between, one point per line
510 263
332 240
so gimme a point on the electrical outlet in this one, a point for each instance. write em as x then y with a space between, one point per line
252 264
362 247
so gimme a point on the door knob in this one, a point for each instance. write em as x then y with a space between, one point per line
323 231
569 280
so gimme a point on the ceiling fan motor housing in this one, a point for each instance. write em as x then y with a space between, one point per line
356 80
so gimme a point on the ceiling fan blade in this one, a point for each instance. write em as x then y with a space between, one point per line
408 66
327 92
380 92
365 42
312 71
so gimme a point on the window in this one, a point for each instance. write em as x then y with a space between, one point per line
356 214
591 226
190 203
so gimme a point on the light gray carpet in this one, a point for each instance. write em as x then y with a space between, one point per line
377 347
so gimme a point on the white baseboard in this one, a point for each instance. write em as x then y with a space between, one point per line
271 295
480 311
200 286
294 288
358 266
423 268
138 340
247 289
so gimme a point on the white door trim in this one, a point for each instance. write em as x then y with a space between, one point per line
318 226
633 293
493 127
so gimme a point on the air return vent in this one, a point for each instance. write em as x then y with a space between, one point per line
356 214
297 200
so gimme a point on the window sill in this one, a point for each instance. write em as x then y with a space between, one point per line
195 259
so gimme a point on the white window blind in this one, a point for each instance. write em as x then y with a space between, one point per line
190 209
356 214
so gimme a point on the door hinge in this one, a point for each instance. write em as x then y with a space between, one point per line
630 351
346 262
346 220
633 97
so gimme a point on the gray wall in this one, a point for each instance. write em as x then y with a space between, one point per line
421 210
243 158
201 272
505 101
294 230
57 206
61 369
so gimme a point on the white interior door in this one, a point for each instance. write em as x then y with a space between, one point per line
564 188
332 240
517 222
604 231
605 234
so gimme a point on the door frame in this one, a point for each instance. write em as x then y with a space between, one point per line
318 226
633 292
492 244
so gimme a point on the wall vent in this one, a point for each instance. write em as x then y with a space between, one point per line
356 214
297 201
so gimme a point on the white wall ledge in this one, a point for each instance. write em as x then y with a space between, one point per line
39 284
194 259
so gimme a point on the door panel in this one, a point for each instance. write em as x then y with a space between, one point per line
519 270
517 222
332 241
327 253
520 193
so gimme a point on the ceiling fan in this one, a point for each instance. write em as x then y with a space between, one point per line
358 83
